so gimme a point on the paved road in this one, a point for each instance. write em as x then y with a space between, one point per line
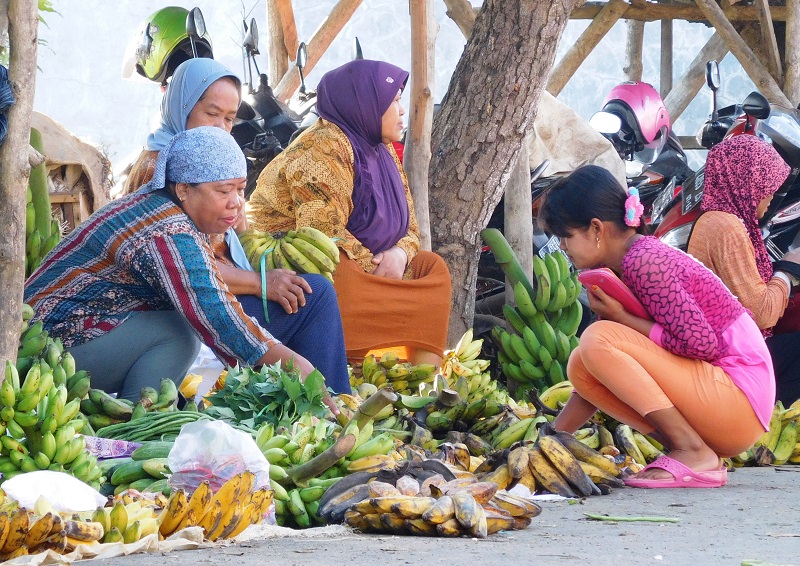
754 517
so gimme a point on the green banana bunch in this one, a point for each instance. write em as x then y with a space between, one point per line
305 250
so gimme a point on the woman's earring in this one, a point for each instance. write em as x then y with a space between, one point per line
598 242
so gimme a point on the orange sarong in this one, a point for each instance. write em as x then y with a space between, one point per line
385 313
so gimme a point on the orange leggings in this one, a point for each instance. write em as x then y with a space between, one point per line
626 375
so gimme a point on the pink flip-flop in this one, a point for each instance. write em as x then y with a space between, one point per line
682 476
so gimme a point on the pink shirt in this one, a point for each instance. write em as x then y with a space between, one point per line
696 316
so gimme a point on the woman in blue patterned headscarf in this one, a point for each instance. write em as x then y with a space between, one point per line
134 289
203 92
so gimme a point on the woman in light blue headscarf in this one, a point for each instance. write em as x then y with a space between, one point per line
303 312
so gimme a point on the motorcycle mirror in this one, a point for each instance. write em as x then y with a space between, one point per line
302 56
357 53
245 111
712 75
195 27
756 105
536 173
251 39
606 123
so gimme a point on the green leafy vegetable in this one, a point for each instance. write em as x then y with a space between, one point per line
273 395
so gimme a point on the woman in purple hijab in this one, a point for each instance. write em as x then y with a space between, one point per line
343 176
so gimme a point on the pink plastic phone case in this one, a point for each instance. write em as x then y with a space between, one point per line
613 286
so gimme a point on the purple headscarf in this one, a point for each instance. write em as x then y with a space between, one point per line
354 97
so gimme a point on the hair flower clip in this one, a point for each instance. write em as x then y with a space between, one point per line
633 208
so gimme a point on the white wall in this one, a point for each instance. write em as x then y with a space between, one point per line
80 84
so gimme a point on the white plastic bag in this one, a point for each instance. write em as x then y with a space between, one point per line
208 365
214 451
65 493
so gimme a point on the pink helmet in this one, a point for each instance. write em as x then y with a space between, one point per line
645 120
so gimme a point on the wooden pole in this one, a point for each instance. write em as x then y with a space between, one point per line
289 27
633 50
762 79
690 83
277 57
791 85
588 40
463 14
654 11
665 84
317 45
417 155
14 172
770 43
518 227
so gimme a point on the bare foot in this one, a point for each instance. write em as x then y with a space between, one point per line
704 460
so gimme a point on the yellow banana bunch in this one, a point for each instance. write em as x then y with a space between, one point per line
224 514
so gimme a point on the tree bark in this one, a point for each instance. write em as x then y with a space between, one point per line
23 21
588 40
694 79
791 85
417 156
463 14
317 45
278 56
633 50
478 133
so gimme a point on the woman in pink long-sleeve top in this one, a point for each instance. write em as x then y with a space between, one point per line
698 376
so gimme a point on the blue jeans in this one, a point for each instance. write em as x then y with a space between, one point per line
314 331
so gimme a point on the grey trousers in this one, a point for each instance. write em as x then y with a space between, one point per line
139 352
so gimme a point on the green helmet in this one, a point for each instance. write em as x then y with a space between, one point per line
164 44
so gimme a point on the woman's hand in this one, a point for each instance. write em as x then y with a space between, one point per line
391 263
604 305
287 288
281 353
611 309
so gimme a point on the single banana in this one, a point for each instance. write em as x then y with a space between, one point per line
543 283
296 258
563 460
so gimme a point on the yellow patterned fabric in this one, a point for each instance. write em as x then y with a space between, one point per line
311 184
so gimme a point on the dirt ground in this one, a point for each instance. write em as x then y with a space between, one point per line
753 518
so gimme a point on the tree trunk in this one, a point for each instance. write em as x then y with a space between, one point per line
477 135
791 85
23 19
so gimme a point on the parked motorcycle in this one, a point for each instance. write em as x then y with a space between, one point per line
774 124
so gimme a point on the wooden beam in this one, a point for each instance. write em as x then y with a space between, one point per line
588 40
15 171
34 157
791 84
463 14
289 27
517 224
318 44
665 84
694 79
417 155
770 43
652 11
633 50
277 56
762 79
